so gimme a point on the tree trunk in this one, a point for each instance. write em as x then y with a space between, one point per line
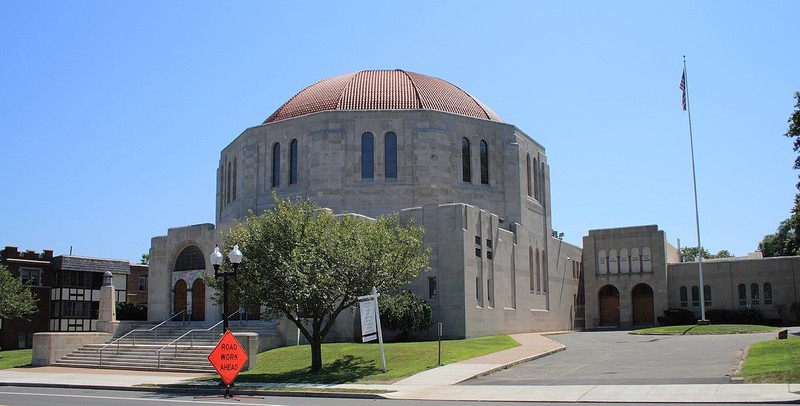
316 353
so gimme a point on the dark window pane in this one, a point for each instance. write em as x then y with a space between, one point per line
276 165
484 163
293 162
367 156
466 166
390 155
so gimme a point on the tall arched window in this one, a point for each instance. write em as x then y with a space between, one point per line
742 294
531 269
276 165
484 163
390 155
293 162
222 187
367 156
754 293
190 259
767 293
528 173
695 296
228 190
466 165
707 295
234 178
684 297
536 182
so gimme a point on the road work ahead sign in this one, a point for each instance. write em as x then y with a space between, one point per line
228 358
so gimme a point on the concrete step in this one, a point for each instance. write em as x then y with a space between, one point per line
190 354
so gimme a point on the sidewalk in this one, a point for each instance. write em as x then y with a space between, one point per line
440 383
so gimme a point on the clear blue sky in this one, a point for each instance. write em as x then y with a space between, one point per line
113 114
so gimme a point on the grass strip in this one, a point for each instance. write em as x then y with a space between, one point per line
711 329
15 358
361 362
774 361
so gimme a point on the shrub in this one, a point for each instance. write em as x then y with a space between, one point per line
735 316
129 311
677 317
405 312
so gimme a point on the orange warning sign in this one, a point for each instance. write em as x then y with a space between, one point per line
228 358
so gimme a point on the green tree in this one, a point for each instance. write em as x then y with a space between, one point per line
405 312
16 299
786 240
723 254
689 254
145 259
307 265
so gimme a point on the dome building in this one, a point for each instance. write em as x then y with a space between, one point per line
375 142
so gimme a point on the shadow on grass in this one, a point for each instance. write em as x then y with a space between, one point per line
345 370
689 329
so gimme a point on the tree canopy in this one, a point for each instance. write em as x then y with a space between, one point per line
16 299
305 264
786 240
690 254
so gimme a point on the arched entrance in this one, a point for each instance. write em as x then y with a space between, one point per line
609 306
198 300
179 297
643 313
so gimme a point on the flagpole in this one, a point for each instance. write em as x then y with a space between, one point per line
685 88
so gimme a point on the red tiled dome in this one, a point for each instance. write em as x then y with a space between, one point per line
383 90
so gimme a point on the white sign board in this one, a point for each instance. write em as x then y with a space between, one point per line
369 329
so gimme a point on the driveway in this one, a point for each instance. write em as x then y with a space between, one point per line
616 357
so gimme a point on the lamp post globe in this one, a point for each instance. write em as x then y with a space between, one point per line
217 257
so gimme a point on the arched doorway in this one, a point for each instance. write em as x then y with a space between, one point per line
198 300
179 296
609 306
643 313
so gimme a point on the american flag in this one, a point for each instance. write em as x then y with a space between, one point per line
683 90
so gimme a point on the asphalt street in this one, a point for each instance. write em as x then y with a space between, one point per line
10 395
616 357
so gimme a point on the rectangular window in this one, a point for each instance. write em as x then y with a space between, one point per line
31 276
477 240
432 287
143 283
24 340
489 255
478 252
489 243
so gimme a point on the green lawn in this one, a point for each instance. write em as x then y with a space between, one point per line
706 330
15 358
356 362
774 361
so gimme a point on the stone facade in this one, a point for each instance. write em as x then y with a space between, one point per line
625 275
480 187
755 283
615 293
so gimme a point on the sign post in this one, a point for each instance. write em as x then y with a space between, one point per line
439 325
371 321
228 358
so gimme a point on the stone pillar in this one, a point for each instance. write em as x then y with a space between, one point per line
107 321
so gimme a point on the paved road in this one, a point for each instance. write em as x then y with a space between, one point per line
616 357
10 395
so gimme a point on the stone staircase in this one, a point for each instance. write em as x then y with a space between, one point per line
157 350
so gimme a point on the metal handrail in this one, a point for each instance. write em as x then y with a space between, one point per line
191 342
101 349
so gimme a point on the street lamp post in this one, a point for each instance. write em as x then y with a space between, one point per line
216 260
